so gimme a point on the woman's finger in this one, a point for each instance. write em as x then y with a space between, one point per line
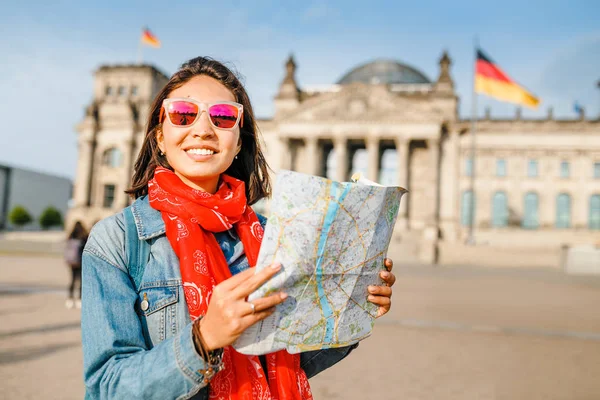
380 291
380 300
236 279
388 277
251 319
264 303
245 288
382 311
388 264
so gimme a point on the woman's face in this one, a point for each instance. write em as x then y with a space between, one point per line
200 171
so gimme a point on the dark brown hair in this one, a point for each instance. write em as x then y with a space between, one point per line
78 231
250 166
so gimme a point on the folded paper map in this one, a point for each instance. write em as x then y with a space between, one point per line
331 239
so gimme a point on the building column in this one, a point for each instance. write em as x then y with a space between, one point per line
429 242
96 182
122 199
403 169
285 156
373 158
313 156
449 193
81 194
434 160
340 146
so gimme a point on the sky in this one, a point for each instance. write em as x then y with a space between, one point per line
50 51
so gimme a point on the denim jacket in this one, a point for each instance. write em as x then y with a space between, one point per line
135 353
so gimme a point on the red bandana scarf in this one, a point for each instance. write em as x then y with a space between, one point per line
191 216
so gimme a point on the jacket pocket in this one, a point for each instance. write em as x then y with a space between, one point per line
156 307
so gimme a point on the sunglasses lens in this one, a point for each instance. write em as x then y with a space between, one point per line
182 113
223 115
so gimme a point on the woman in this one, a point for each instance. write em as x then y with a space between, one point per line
73 253
199 170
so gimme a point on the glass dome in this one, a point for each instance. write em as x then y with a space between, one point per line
384 72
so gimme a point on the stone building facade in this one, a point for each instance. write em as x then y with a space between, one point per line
110 137
537 183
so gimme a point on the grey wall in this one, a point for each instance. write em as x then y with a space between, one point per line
35 191
4 176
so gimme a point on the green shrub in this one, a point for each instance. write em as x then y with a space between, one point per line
19 216
50 217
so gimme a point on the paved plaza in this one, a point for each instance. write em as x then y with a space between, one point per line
453 333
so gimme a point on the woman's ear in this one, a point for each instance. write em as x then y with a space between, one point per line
160 139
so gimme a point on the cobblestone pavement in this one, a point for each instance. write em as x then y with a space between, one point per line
453 333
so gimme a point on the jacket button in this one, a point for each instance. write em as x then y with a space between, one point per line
145 305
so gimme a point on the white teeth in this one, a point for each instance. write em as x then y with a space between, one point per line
202 152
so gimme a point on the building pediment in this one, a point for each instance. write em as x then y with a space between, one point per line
363 103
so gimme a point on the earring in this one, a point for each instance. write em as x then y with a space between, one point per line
236 157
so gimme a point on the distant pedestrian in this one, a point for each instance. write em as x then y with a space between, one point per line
73 254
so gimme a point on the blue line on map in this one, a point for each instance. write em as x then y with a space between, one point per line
332 209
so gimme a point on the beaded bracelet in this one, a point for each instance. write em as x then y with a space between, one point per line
213 358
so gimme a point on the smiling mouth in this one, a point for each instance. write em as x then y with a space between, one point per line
201 152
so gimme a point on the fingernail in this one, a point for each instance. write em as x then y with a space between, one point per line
276 266
283 296
385 274
372 289
371 298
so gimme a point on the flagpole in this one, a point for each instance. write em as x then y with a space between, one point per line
471 237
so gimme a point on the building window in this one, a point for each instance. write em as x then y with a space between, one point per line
388 175
108 90
597 170
499 210
467 208
121 90
563 211
565 170
134 90
530 211
469 166
112 158
109 196
594 219
501 167
532 169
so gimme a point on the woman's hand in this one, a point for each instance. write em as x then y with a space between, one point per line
382 295
229 314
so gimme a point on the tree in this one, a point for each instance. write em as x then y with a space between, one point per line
19 216
50 217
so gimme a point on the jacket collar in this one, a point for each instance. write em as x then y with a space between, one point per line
148 221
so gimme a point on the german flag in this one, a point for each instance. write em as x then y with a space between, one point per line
149 39
492 81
